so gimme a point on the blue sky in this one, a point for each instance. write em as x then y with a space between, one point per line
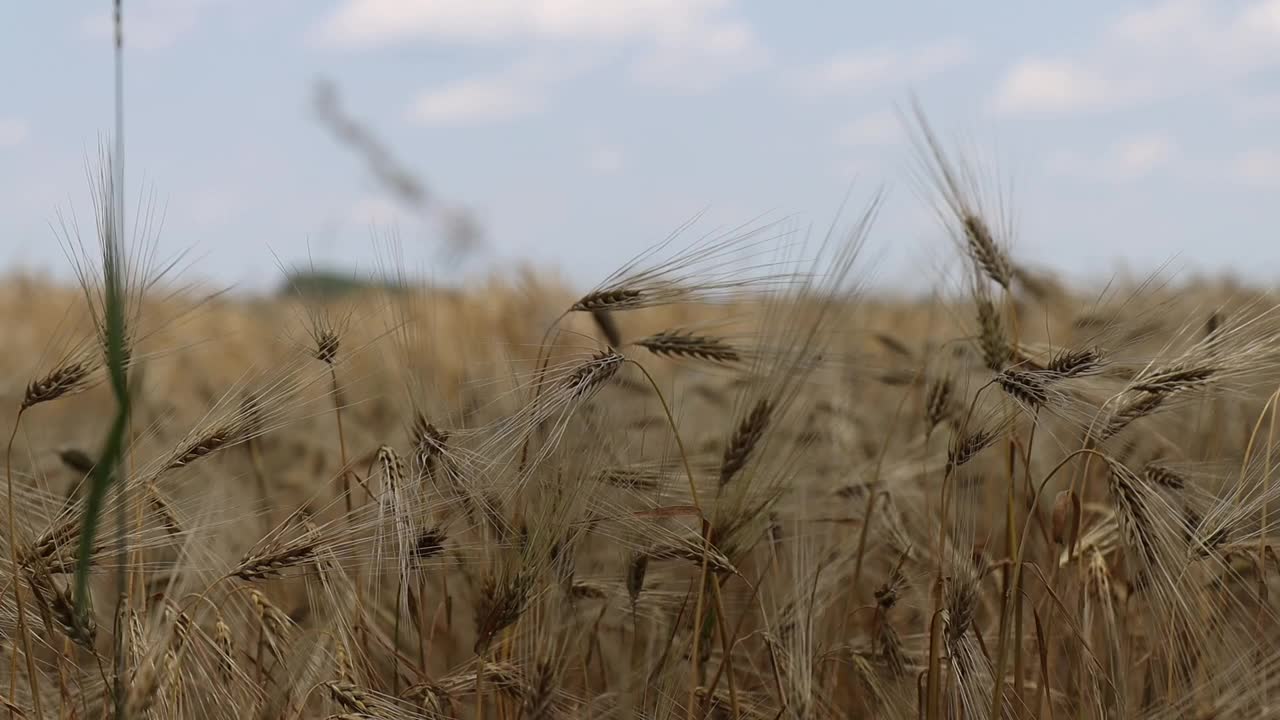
578 132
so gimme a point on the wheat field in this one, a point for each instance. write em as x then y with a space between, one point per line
727 482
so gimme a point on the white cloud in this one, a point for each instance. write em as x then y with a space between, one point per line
1252 107
1258 166
1126 161
379 211
1155 24
878 128
680 44
13 132
151 24
1170 49
1139 157
357 23
1050 86
861 72
476 100
214 203
698 60
513 92
605 160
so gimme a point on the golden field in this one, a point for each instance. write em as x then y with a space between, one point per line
690 492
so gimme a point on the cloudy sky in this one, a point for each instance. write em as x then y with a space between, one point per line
576 132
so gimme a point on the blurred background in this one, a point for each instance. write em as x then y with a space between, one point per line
569 135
